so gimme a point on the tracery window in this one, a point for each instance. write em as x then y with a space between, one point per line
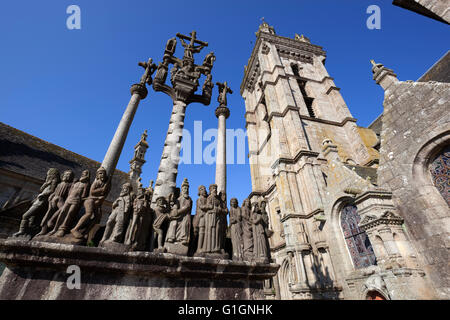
357 241
440 173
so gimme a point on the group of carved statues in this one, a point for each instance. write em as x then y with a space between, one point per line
70 210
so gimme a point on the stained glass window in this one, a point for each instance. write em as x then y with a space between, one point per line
357 240
440 173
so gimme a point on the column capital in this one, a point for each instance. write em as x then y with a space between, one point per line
140 89
222 110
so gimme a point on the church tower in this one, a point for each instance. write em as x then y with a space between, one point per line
296 119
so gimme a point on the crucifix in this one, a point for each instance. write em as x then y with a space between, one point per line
223 90
149 67
190 48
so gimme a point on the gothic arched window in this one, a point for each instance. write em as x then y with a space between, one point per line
356 239
440 173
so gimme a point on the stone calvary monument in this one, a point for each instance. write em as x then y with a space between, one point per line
152 247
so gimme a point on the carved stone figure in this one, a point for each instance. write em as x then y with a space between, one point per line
92 205
199 218
117 223
223 90
178 233
56 202
161 217
209 60
77 194
137 233
190 48
211 242
222 222
27 224
247 230
236 230
260 248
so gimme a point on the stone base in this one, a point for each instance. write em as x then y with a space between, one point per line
176 248
212 255
115 246
67 239
38 270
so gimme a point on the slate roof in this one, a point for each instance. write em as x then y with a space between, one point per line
30 156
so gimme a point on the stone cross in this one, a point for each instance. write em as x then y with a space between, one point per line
190 49
184 77
149 67
222 113
223 90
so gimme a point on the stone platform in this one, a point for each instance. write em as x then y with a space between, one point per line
38 270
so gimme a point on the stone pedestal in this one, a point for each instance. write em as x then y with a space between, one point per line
38 270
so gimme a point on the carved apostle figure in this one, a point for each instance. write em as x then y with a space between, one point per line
137 232
213 209
247 230
236 230
199 218
65 216
180 217
260 248
40 204
222 222
161 216
117 223
209 60
92 205
56 202
179 230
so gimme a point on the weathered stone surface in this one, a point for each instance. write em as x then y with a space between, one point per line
37 270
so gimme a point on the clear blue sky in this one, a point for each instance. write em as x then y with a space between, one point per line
70 87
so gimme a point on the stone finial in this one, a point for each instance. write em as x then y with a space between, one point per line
383 76
302 38
264 27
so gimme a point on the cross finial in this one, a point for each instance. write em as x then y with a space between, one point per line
149 67
223 90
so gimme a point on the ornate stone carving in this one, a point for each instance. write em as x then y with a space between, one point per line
261 251
66 215
212 244
199 218
178 233
28 225
56 201
247 230
139 227
98 192
236 230
160 223
117 223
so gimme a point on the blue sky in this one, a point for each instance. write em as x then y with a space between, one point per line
70 87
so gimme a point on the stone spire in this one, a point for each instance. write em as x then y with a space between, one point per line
138 161
383 76
222 113
138 92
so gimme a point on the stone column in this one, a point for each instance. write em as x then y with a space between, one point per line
222 113
168 167
138 92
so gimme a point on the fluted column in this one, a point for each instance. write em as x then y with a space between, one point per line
138 92
222 113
